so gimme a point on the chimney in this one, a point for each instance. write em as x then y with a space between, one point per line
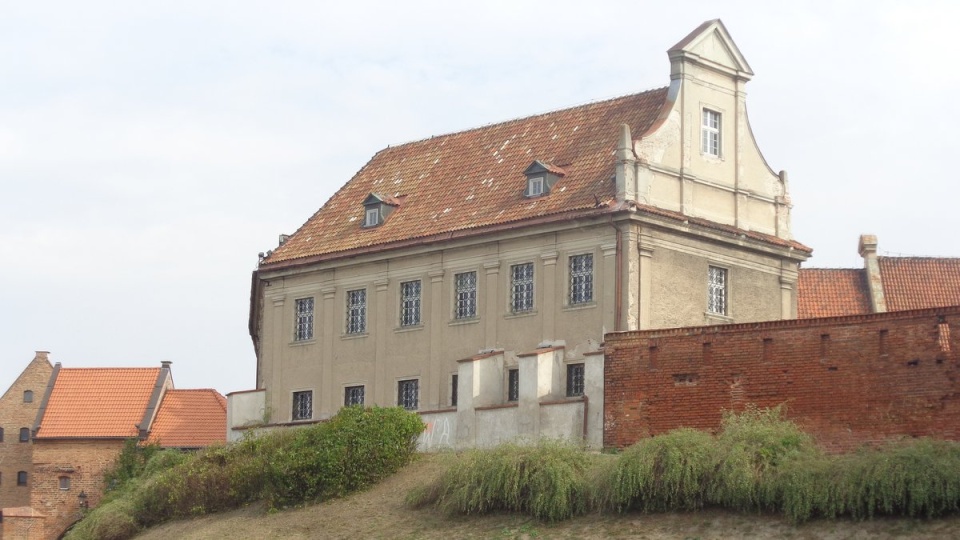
871 268
626 167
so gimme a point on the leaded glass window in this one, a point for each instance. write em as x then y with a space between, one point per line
466 295
357 311
303 329
408 394
521 285
353 395
581 279
575 373
717 290
302 405
410 303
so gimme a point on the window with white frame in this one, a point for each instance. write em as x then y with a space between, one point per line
535 186
353 395
408 394
710 133
575 374
581 279
410 303
465 284
303 329
513 385
302 405
371 217
521 287
357 311
717 290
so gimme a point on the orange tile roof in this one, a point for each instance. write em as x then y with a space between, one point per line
190 419
919 282
98 402
474 179
832 292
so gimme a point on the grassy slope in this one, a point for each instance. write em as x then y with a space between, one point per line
379 513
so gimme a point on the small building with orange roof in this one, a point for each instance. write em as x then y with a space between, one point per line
190 419
84 418
885 283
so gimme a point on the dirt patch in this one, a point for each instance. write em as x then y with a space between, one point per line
379 513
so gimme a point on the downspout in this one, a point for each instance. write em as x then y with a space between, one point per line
617 302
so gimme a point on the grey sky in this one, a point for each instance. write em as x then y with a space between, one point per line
149 150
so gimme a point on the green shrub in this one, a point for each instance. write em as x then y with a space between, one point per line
129 463
357 447
546 481
750 447
112 520
662 473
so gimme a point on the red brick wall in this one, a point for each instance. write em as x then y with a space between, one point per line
16 456
83 462
847 380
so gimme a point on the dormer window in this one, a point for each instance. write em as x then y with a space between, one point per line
377 208
373 217
540 178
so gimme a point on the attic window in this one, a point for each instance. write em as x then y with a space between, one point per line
376 209
540 178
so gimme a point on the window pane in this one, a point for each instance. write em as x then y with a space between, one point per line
410 303
357 311
717 290
454 382
24 434
581 279
353 395
575 374
466 295
513 385
521 287
303 329
303 405
408 394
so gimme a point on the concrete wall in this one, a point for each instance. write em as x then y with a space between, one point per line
847 380
15 414
244 409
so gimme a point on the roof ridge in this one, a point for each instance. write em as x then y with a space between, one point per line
916 258
529 117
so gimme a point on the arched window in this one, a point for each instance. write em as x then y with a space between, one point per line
28 396
24 434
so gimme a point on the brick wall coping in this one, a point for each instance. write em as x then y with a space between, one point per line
541 351
438 411
578 399
247 391
21 512
598 352
481 356
789 323
492 407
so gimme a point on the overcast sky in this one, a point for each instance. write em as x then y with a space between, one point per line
150 150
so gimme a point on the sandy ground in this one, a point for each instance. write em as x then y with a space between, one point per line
379 513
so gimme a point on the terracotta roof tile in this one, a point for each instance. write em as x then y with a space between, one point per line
98 402
832 292
190 419
919 282
486 166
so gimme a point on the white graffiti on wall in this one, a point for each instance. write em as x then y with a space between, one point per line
436 434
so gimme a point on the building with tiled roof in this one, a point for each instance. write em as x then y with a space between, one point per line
650 210
883 284
190 419
73 422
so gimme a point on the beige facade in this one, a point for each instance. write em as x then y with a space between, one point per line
669 217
